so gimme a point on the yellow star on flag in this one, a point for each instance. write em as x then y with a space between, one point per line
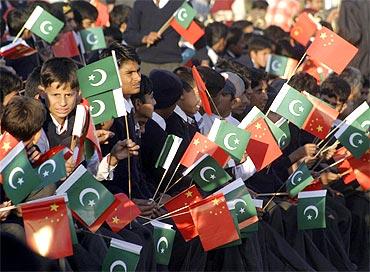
115 220
6 146
54 207
189 194
323 36
196 142
216 201
258 126
319 128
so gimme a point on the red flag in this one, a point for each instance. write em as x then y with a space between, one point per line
262 147
361 169
303 29
326 47
47 227
192 34
67 153
321 117
343 167
16 50
184 222
7 143
213 221
202 90
66 46
201 145
123 213
319 71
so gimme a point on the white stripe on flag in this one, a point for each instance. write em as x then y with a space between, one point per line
231 187
48 198
280 97
172 153
79 172
214 129
33 17
10 156
258 203
342 129
357 112
161 225
119 102
133 248
268 64
80 119
249 118
308 194
116 65
187 171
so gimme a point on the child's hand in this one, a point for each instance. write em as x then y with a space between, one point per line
146 206
328 177
103 135
33 152
308 150
122 149
70 165
4 214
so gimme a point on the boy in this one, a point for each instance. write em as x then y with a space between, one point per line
258 49
10 85
85 14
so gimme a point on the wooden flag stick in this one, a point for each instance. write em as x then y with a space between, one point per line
167 214
273 196
73 142
296 68
330 133
128 160
159 184
164 27
8 208
270 194
168 184
213 103
333 164
345 173
19 34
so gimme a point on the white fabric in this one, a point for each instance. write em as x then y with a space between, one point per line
159 120
59 129
161 4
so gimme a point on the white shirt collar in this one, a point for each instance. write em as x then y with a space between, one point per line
128 104
183 115
212 55
159 120
162 3
59 129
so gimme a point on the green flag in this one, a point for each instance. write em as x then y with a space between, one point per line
88 198
230 138
207 173
363 116
284 138
311 210
93 39
280 66
99 76
19 178
43 24
163 236
121 256
292 105
168 152
184 15
299 180
107 106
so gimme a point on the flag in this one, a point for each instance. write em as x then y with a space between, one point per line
361 170
207 173
16 50
121 256
66 46
168 151
184 222
7 143
192 34
299 180
43 24
184 15
230 138
292 105
19 178
47 228
280 66
201 145
123 213
321 117
240 201
93 39
213 222
88 198
99 76
362 114
325 49
262 147
284 138
107 106
344 166
202 89
163 236
311 210
303 29
316 69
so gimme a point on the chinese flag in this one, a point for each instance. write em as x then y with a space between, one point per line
213 221
202 90
321 117
319 71
303 29
66 46
184 222
192 34
47 228
262 147
361 169
123 213
343 167
201 145
326 47
7 143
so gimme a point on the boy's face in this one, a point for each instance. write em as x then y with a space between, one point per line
87 23
60 100
144 111
240 103
260 57
130 77
189 102
223 103
258 96
335 102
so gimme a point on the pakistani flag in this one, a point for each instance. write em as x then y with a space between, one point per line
88 198
230 138
168 152
121 256
107 106
184 15
280 66
353 133
239 200
19 178
43 24
99 76
93 39
207 173
311 210
284 138
292 105
163 236
299 180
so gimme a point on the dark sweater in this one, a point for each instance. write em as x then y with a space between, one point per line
146 17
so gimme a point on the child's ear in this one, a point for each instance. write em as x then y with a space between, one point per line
138 103
42 91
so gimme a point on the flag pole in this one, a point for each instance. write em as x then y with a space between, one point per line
164 26
213 103
296 68
167 214
160 183
19 34
331 132
168 184
333 164
345 173
128 165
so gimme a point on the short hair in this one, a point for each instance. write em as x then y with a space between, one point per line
224 65
15 19
113 32
284 48
260 4
258 43
334 86
275 33
9 82
352 76
61 70
304 82
119 15
146 88
241 24
213 80
186 77
84 10
23 117
234 36
123 53
31 88
215 32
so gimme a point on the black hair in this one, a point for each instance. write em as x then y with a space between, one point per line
334 86
9 82
213 80
57 10
284 48
113 32
233 36
186 77
61 70
304 82
15 19
2 26
275 33
260 4
215 32
31 88
84 10
119 15
241 24
123 53
258 43
146 88
236 68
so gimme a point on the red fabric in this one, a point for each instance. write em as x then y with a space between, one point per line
316 69
362 169
341 153
303 29
202 89
103 13
66 46
51 152
7 143
192 34
221 5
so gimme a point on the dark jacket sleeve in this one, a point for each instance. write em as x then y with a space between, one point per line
348 22
133 34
